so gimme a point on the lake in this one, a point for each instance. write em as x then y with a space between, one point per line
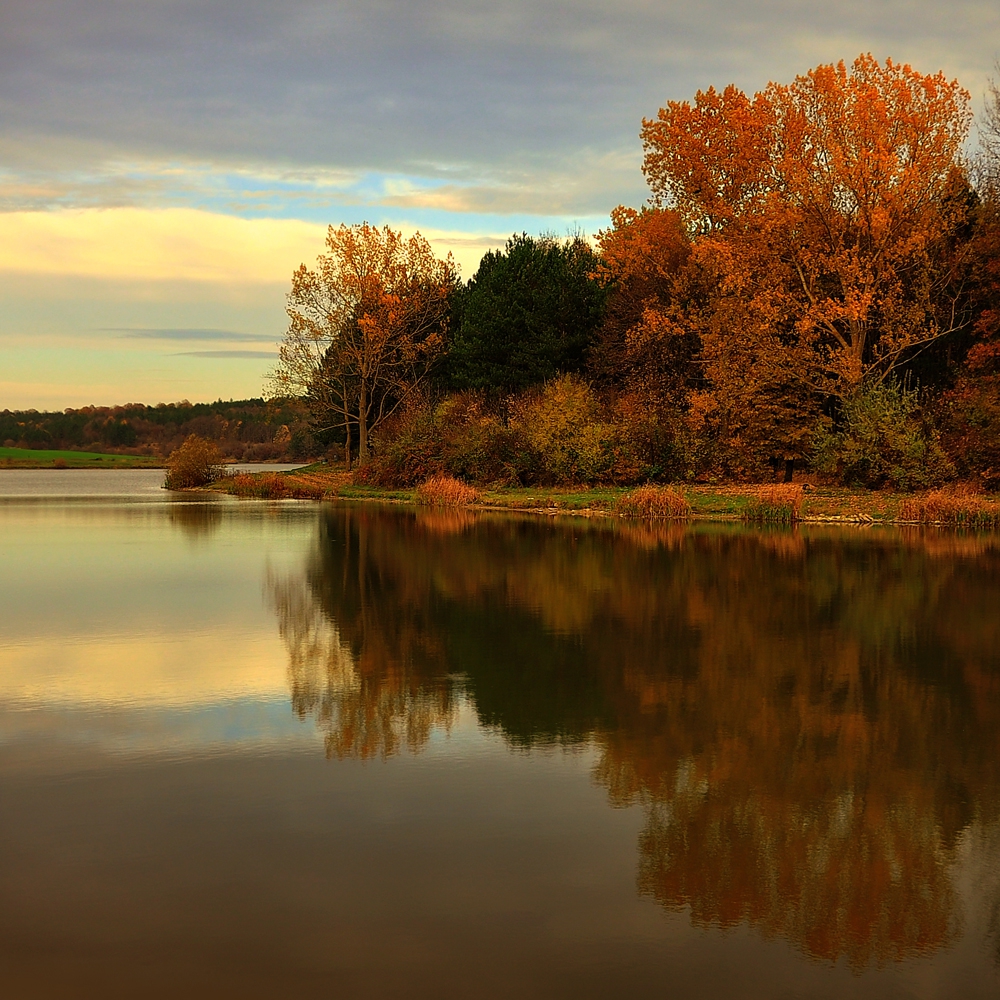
258 749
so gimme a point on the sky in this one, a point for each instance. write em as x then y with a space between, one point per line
166 164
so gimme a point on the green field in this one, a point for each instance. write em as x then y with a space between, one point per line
28 458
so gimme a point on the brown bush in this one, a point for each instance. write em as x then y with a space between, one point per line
957 507
446 491
775 505
653 501
197 462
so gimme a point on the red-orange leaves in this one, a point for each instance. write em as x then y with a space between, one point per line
839 183
712 160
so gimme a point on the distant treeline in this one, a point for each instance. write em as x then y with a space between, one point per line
814 284
246 430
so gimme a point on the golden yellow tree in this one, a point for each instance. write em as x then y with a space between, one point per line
366 325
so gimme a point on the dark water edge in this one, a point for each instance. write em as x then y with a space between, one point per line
263 750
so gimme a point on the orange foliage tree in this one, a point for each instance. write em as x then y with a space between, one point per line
640 347
824 212
970 409
365 327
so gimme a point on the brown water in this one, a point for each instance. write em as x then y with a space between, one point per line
253 749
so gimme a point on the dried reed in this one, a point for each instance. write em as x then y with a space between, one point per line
274 486
959 508
780 504
653 501
446 491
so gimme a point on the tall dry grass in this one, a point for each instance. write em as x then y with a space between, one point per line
780 504
274 486
957 507
446 491
653 501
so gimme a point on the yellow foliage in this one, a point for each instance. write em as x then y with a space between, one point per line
563 424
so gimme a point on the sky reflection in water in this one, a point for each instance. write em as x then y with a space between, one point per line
268 748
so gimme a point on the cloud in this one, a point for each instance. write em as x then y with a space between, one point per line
167 164
226 354
184 244
184 333
461 93
167 244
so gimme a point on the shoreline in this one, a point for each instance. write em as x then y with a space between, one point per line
709 502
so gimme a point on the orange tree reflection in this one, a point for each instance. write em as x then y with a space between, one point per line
809 720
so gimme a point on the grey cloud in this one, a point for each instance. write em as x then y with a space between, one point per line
439 88
225 354
184 333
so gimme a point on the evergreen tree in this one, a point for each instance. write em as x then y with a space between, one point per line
529 313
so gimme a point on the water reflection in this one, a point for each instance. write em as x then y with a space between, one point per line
810 721
198 521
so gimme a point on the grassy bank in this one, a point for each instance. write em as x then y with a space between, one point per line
30 458
716 502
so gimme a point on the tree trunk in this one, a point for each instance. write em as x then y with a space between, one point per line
789 469
363 424
347 435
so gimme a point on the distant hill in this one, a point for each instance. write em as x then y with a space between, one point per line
247 429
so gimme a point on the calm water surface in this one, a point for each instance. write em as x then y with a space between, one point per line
282 749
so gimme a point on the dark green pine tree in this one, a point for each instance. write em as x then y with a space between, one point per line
529 313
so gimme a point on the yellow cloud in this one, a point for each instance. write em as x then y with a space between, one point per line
172 244
182 244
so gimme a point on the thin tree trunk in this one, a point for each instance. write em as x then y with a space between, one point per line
347 433
363 424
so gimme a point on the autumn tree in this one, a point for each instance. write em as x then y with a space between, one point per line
366 326
641 354
838 188
970 410
639 259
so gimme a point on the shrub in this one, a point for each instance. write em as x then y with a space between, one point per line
883 440
648 442
479 448
311 491
775 505
959 508
302 444
446 491
653 501
196 462
563 424
970 419
406 451
457 438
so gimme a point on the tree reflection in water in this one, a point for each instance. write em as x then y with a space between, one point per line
810 720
